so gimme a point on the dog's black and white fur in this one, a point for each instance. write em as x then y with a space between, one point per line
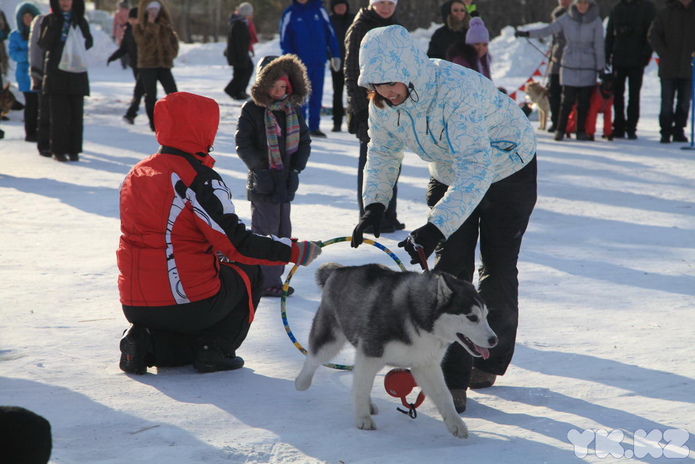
402 319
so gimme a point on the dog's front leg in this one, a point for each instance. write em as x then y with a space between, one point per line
431 380
364 372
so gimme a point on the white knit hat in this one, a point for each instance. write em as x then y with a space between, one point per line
245 9
154 5
372 2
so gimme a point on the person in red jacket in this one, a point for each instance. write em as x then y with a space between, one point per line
601 101
189 277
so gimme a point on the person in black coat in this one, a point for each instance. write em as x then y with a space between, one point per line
65 90
629 51
454 29
272 139
237 52
341 19
130 48
377 14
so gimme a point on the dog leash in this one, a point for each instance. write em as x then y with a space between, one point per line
553 60
421 254
400 382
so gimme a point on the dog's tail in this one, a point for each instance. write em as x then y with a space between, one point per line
324 272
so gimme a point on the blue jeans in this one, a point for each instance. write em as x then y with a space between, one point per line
674 122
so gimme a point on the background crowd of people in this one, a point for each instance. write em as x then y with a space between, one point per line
586 49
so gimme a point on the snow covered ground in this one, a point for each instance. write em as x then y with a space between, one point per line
603 370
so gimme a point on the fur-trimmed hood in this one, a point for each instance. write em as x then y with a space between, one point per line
270 68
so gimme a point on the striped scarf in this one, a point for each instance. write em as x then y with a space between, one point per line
272 131
67 16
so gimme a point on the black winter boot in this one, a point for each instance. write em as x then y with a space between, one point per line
136 349
212 359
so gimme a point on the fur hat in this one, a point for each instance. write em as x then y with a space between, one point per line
477 32
245 9
372 2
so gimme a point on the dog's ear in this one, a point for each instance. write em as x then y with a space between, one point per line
444 291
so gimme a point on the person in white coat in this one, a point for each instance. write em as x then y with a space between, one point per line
583 59
481 152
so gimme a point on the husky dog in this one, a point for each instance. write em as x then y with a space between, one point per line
402 319
539 95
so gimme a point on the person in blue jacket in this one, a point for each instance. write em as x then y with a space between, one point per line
19 52
306 31
481 151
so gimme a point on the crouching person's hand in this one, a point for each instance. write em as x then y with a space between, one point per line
303 253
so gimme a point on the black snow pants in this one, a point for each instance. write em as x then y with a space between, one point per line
500 221
179 331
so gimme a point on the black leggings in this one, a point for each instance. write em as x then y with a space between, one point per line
149 78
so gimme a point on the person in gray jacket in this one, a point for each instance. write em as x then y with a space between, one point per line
582 59
556 47
37 56
672 36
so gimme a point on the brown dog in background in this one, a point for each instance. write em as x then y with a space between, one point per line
538 94
8 101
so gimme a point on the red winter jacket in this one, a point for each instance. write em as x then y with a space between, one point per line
598 103
177 213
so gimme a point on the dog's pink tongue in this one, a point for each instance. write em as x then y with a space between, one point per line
483 351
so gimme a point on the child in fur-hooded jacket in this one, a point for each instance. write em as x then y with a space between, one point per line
273 140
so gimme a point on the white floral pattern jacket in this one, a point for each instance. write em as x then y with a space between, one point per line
470 133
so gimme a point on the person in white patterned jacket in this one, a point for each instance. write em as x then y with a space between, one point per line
481 152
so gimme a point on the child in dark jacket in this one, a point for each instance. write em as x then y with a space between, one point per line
273 140
19 52
130 48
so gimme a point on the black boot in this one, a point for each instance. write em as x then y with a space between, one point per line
212 359
136 349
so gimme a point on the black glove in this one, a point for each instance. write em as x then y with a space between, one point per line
355 120
521 33
371 217
427 237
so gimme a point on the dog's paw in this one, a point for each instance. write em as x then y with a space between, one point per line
365 423
373 410
302 382
457 427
